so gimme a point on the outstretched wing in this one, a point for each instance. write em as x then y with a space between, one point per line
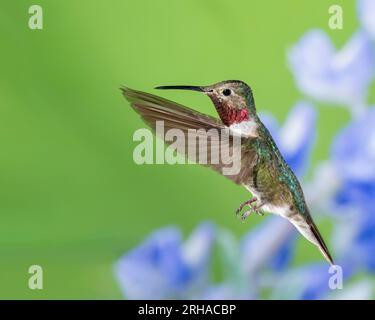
152 108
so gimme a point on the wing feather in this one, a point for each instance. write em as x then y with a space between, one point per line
152 108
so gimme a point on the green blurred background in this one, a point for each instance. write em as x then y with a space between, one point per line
72 200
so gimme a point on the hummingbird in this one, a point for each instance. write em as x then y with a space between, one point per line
264 172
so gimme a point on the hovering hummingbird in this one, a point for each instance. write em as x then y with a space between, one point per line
264 172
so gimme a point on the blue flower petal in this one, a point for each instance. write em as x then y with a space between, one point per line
226 291
308 282
270 238
353 150
355 240
366 13
297 136
339 77
283 257
365 243
162 267
196 251
353 154
155 269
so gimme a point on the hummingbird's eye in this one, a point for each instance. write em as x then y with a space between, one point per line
227 92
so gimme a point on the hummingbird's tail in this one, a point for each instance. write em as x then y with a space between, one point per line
310 231
320 243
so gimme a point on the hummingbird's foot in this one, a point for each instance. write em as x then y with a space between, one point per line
245 215
246 203
253 208
258 210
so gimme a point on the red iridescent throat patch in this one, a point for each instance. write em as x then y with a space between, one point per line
236 116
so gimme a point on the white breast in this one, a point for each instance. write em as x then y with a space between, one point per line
245 128
283 211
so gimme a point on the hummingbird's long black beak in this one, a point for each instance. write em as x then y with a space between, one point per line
194 88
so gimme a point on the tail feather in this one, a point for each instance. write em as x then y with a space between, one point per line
321 244
310 231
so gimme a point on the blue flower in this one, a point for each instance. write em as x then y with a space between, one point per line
366 13
309 282
354 240
267 247
353 155
339 77
225 291
359 290
270 243
296 137
163 267
363 245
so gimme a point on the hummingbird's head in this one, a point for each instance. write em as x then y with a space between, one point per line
233 99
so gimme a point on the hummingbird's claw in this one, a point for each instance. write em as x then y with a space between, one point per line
253 208
238 211
245 215
246 203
